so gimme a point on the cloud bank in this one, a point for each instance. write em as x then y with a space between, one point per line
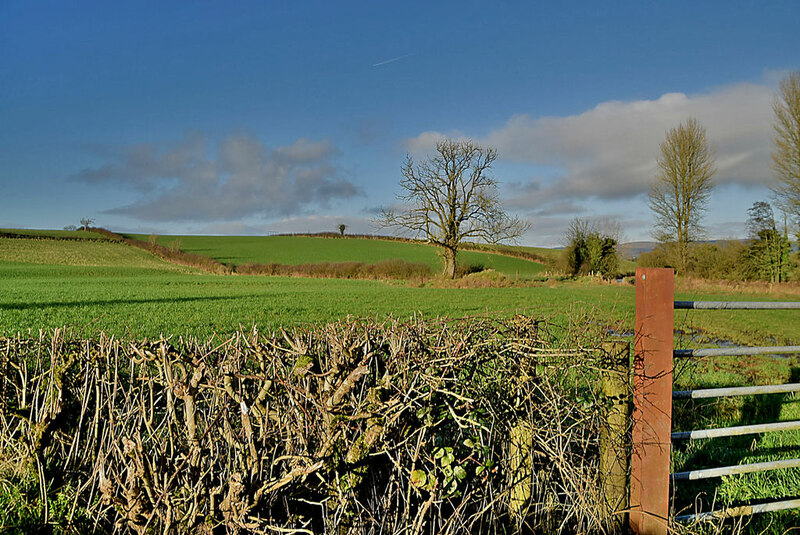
240 177
609 152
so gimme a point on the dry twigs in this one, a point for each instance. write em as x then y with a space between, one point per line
356 427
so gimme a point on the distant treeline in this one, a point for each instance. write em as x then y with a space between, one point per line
733 260
62 235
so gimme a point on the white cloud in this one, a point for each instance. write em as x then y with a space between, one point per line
426 141
185 181
609 152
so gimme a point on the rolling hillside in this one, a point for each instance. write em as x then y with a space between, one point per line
295 250
76 248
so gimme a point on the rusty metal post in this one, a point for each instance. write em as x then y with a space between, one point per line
614 439
652 401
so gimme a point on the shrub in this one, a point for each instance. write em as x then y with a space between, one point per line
463 270
589 250
386 269
175 246
722 260
731 260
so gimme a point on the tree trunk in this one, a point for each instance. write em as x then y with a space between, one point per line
449 263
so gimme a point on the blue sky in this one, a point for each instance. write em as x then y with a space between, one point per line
255 117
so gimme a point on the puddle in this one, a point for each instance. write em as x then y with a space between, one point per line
619 333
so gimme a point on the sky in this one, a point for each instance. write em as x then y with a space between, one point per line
260 117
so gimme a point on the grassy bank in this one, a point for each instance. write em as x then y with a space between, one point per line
80 252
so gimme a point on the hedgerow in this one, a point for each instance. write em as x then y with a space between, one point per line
353 427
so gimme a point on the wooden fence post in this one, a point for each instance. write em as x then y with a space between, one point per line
614 442
652 401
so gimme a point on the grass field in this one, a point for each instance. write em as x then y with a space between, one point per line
148 302
79 253
294 250
108 286
94 286
733 490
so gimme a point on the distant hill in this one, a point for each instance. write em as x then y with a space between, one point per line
632 250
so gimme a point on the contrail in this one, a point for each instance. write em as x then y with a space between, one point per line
398 58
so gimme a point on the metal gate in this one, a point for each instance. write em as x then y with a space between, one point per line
653 394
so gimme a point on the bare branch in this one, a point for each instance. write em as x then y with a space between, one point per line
452 197
786 152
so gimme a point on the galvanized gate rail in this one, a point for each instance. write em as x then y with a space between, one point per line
652 424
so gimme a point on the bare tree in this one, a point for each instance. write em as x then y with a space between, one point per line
682 187
175 245
86 223
786 153
342 227
451 198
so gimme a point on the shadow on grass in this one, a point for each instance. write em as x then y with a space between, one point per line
102 302
730 451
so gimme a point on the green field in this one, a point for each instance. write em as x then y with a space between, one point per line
148 302
93 286
294 250
546 255
79 253
731 412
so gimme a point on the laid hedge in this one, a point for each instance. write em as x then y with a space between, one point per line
355 427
